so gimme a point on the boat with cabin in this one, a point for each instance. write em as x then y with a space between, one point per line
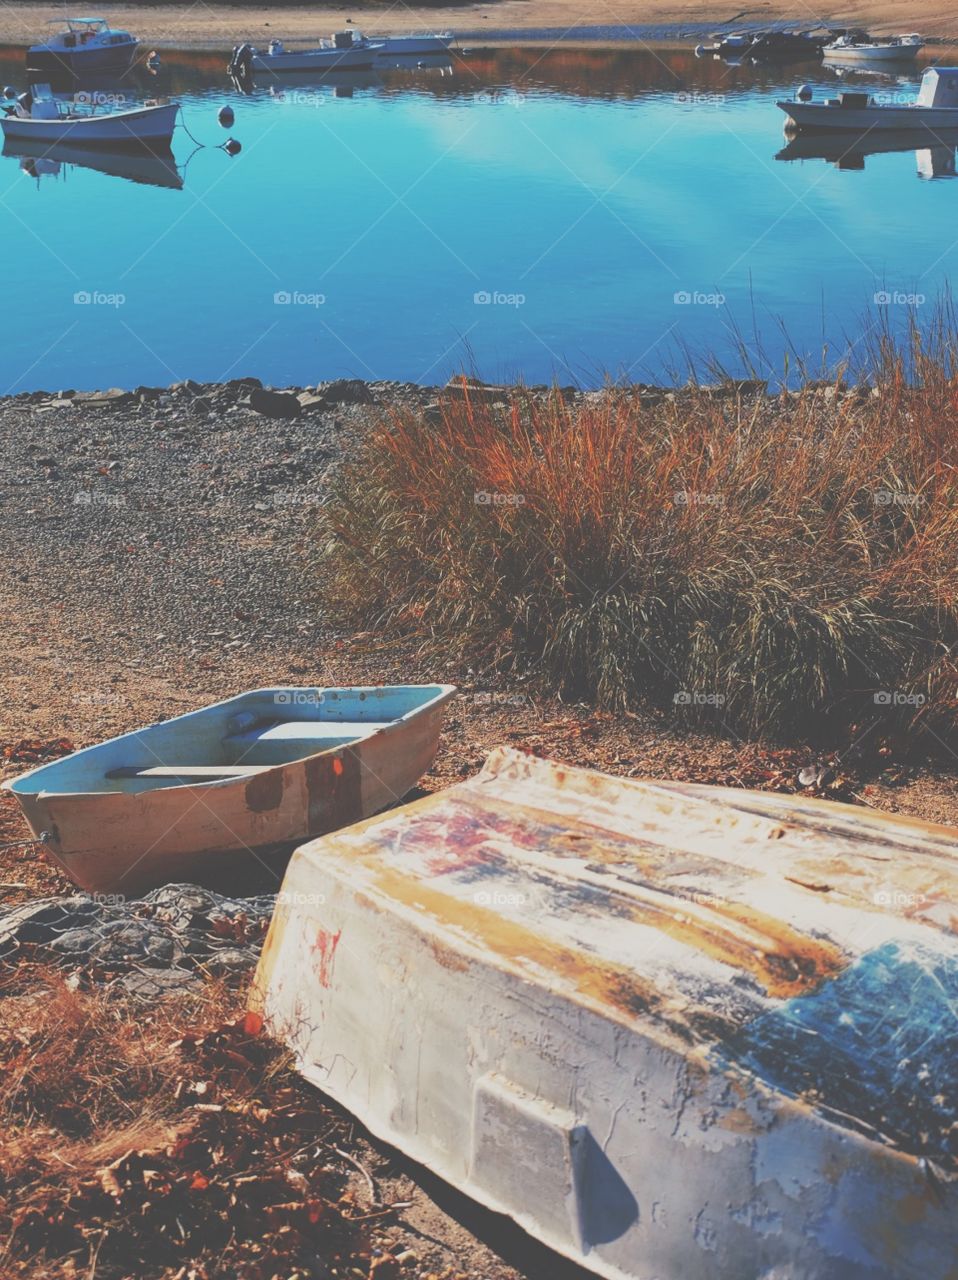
232 785
84 45
39 116
859 46
672 1030
935 108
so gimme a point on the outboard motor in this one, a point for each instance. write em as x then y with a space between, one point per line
275 47
241 63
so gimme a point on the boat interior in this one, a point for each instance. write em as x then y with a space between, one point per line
241 737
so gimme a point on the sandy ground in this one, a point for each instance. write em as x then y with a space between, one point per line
214 26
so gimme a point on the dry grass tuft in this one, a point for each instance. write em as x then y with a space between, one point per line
769 564
133 1148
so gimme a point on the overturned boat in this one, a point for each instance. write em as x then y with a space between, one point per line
237 782
674 1031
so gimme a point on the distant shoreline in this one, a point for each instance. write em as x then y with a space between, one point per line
545 22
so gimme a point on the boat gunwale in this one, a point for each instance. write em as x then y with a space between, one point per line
445 694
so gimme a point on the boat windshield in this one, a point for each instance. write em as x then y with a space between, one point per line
87 26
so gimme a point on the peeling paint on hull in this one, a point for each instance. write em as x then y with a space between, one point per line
668 1029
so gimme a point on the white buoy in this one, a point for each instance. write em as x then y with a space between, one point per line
805 93
700 50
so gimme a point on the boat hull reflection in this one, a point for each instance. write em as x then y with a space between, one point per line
934 152
154 168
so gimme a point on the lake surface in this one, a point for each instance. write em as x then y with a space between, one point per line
567 215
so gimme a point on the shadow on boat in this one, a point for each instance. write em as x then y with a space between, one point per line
153 168
934 153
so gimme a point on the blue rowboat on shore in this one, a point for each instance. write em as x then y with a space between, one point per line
239 782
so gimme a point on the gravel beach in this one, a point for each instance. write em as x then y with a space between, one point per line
160 553
543 21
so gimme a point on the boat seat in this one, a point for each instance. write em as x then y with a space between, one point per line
294 739
192 772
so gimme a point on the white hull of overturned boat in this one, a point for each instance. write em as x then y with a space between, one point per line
673 1031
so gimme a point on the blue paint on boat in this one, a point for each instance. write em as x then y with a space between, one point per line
877 1045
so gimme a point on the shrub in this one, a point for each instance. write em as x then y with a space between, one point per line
782 561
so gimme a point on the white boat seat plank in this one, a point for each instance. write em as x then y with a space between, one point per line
293 739
200 772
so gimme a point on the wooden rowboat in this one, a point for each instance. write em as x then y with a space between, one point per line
248 777
674 1031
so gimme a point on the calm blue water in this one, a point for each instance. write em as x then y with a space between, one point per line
611 208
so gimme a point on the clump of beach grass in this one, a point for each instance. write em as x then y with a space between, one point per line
770 563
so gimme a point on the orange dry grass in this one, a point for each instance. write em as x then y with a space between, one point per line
783 560
131 1149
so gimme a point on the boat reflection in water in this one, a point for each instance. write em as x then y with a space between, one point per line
848 151
342 84
43 160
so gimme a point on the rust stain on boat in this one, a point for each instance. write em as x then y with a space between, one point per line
607 984
334 790
264 791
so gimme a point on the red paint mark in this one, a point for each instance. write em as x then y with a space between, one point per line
338 767
325 947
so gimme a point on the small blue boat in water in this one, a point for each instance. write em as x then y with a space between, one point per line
244 779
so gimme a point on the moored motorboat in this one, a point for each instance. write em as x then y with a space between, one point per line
238 782
85 45
347 51
38 116
673 1030
936 107
858 46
